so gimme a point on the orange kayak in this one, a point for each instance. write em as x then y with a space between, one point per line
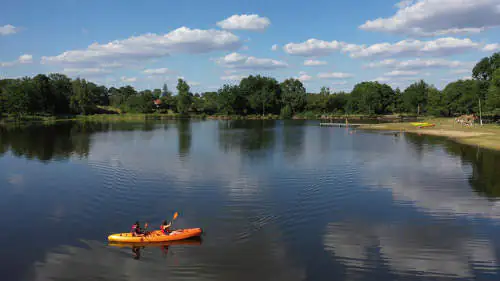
155 236
195 241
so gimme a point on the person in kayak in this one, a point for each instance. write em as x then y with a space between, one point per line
165 228
136 229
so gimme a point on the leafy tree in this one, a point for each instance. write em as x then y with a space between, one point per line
62 90
184 98
230 100
461 97
263 93
436 103
371 98
81 102
293 95
493 99
485 68
415 97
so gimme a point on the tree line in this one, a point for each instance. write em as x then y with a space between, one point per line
57 94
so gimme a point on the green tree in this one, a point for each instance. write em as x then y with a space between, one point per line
263 93
82 102
184 98
293 95
415 97
371 98
485 68
63 90
493 98
230 100
461 97
436 103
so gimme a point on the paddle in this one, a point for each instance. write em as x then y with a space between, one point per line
175 217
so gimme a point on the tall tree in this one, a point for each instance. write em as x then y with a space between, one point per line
183 97
493 99
263 93
485 68
415 97
293 94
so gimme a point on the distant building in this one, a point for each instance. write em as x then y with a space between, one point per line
157 102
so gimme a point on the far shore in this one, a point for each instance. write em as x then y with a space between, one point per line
487 136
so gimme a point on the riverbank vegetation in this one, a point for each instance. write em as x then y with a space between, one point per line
46 96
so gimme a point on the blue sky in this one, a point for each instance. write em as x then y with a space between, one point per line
324 43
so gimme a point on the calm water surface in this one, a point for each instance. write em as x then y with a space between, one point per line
277 200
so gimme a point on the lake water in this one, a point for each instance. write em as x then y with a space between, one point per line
277 201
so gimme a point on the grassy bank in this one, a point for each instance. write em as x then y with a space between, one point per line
487 136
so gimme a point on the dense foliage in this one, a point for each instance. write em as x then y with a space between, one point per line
56 94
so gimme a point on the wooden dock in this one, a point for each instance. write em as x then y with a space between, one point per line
345 125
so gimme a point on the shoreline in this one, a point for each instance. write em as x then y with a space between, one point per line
487 137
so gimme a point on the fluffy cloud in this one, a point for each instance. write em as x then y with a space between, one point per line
303 77
492 48
274 47
239 61
314 62
245 22
397 73
91 71
416 64
334 75
148 46
232 77
8 29
313 48
157 71
438 47
128 79
23 59
439 17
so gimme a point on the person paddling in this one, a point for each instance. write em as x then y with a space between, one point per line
136 229
165 228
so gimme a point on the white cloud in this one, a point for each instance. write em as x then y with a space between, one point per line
314 62
8 29
339 83
461 71
274 47
148 46
334 75
157 71
466 78
128 79
239 61
245 22
303 77
232 77
416 64
381 79
313 48
23 59
438 47
403 4
492 48
397 73
91 71
439 17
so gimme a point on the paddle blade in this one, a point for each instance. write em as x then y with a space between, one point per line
176 215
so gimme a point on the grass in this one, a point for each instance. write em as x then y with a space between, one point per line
487 136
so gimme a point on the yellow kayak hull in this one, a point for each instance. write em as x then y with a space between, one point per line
156 236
